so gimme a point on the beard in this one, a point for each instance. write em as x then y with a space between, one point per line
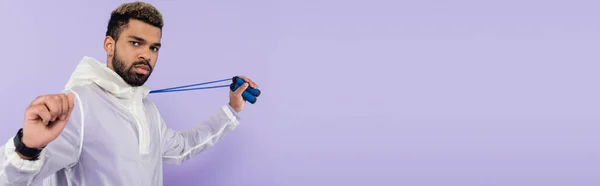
128 73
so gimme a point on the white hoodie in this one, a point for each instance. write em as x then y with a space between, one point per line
115 137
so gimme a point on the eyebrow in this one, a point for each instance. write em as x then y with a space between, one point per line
142 40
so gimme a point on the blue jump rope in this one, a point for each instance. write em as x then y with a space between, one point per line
249 95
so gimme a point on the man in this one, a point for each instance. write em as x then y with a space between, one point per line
102 130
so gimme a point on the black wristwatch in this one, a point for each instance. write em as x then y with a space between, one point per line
32 153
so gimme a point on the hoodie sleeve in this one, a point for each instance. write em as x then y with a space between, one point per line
179 146
62 152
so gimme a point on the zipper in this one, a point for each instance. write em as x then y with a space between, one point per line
142 130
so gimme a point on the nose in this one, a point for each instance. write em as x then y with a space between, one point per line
144 55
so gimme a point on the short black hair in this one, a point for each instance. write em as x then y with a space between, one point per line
142 11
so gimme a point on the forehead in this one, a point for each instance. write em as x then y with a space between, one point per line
143 30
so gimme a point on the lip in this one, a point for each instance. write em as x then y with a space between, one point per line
142 69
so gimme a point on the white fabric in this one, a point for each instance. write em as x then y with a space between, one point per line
115 136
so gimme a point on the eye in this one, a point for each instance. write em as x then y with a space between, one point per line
134 43
154 49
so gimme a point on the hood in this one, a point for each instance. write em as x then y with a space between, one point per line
91 70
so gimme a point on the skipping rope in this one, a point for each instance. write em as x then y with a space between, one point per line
249 95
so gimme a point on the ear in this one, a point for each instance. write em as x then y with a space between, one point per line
109 46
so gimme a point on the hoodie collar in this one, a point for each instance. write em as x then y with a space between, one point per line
91 70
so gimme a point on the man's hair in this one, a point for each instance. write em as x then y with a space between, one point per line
120 17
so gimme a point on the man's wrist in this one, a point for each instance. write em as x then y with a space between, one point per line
27 142
24 151
233 108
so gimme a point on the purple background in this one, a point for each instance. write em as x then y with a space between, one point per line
413 93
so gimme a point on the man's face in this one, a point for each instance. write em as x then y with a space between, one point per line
136 52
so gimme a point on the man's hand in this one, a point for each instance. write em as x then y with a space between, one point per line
45 119
235 98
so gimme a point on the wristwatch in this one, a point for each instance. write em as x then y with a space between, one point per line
32 153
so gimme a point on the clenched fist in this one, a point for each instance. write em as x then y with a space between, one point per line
236 101
45 119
